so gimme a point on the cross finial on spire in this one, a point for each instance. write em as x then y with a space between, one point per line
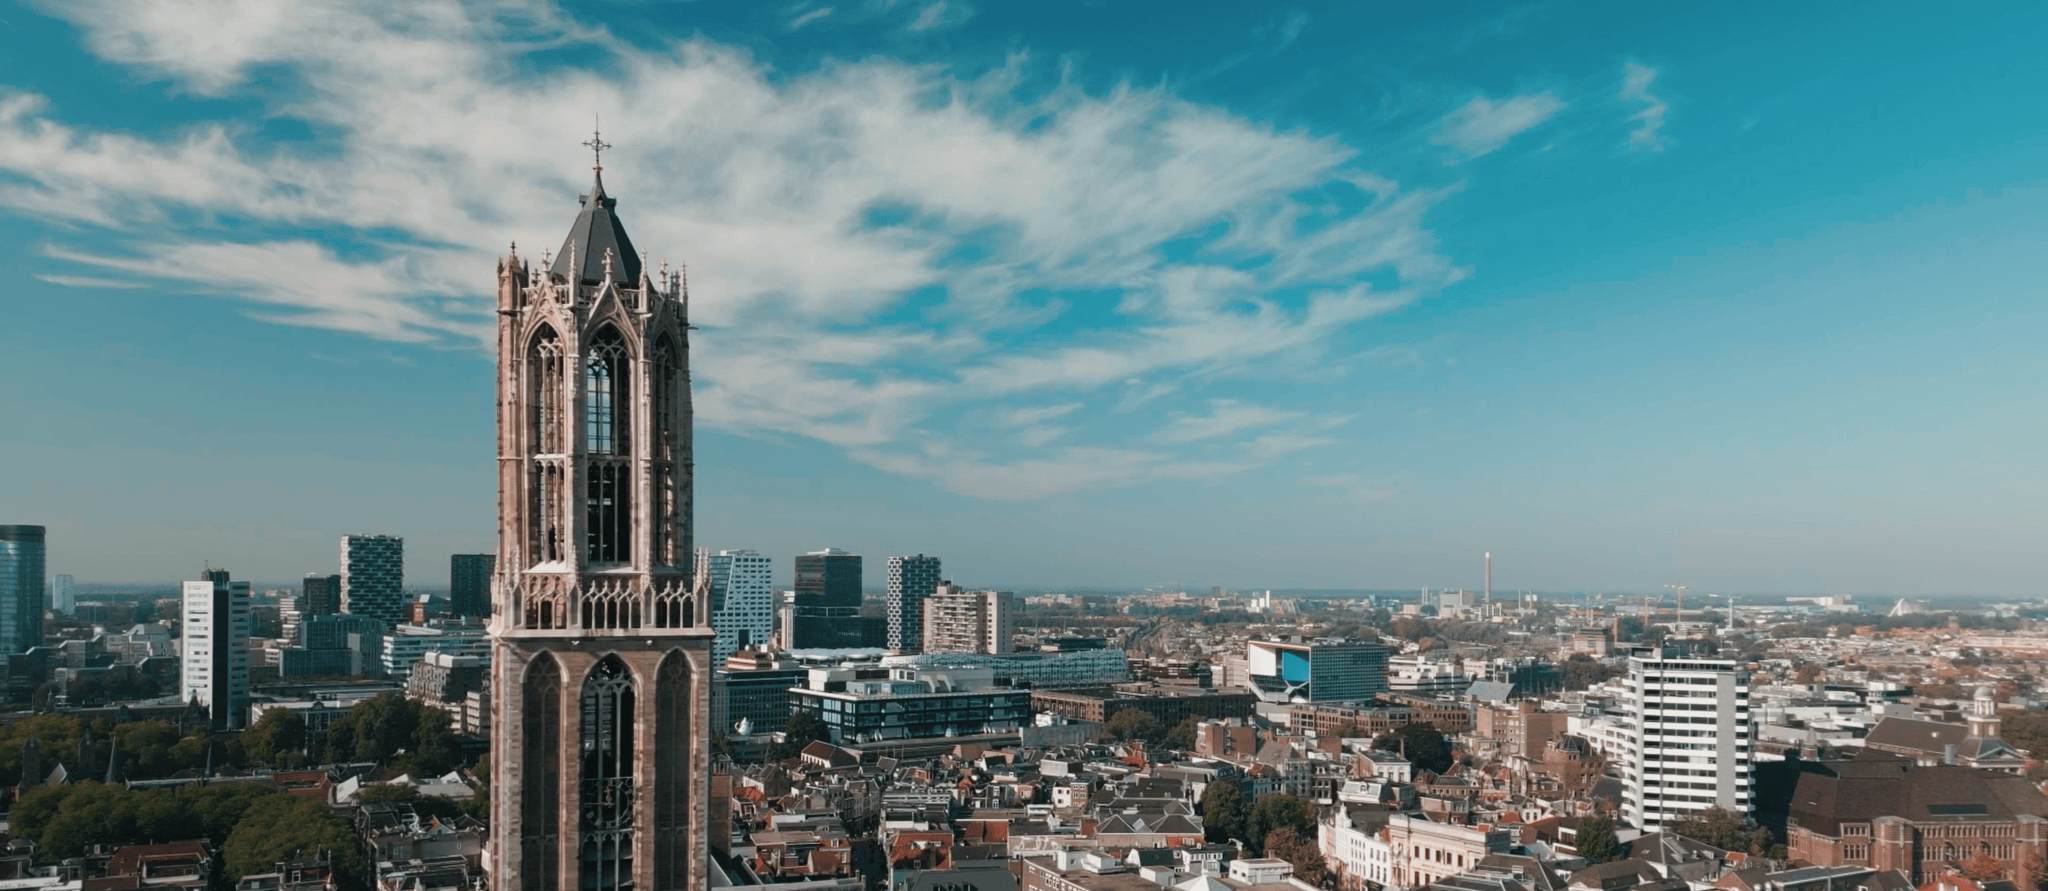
597 145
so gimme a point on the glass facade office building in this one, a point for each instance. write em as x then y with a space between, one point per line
21 588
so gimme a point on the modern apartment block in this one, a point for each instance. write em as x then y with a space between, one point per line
408 644
872 704
214 664
911 582
1690 744
1340 671
373 577
961 621
469 584
742 601
21 588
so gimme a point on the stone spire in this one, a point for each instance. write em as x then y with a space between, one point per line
597 235
114 774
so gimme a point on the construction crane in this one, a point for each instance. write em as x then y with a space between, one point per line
1679 613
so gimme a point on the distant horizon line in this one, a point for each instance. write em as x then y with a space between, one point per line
1341 593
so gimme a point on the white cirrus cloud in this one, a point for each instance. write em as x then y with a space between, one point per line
85 281
1483 125
811 208
1226 416
940 14
1649 120
1351 487
809 17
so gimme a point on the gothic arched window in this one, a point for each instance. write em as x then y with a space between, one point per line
608 503
672 777
541 756
544 393
605 752
606 394
663 392
547 439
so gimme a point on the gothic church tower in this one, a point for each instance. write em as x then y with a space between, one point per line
600 636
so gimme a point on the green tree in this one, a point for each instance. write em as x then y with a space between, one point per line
432 749
277 740
145 750
1225 813
281 827
1182 736
1596 841
1582 671
56 735
1300 850
1422 744
1723 829
33 813
1277 812
1983 867
803 728
1131 724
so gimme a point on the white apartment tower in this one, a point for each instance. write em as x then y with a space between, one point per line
911 582
961 621
214 658
373 577
1690 741
64 595
742 603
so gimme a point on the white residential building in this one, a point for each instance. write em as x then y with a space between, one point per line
742 603
961 621
407 644
214 658
1612 737
1353 842
1690 749
64 595
1402 850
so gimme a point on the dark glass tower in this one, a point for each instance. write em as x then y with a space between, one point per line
827 606
323 595
21 588
469 583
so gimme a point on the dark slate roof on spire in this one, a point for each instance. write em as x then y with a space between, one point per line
597 229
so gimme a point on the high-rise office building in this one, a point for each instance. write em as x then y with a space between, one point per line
826 611
469 583
830 577
742 602
911 582
601 639
373 576
64 595
214 662
322 595
1689 745
961 621
21 588
1281 671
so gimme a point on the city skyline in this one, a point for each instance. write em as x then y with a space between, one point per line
1326 298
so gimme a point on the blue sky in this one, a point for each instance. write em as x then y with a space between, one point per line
1746 296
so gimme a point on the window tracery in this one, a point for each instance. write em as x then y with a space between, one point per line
606 784
608 514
